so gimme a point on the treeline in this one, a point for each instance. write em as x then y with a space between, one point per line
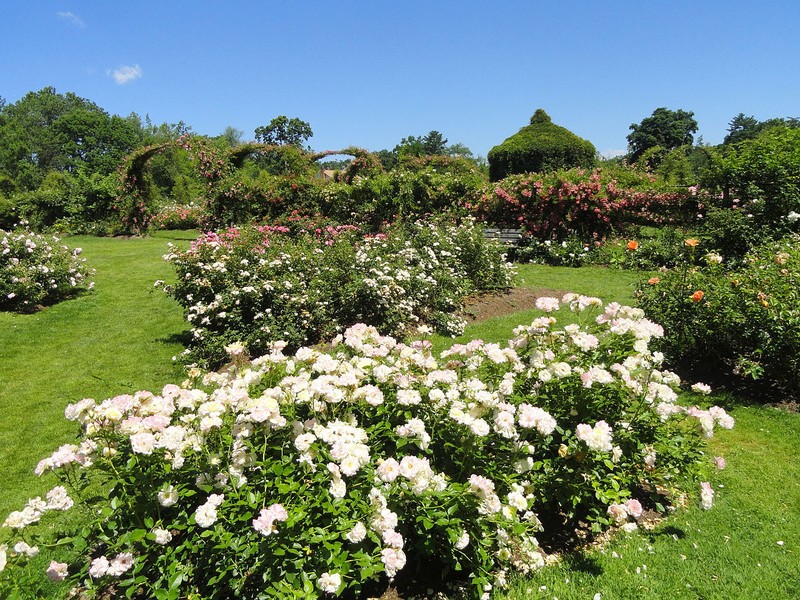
67 164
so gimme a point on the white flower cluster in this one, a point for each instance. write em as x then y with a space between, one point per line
35 269
117 566
400 278
363 423
57 499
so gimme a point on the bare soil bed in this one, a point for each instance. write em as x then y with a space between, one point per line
485 306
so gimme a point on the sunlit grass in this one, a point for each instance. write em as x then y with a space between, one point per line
119 338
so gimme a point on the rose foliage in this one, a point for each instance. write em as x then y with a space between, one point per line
322 472
588 204
742 322
35 270
256 285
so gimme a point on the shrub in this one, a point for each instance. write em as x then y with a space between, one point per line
590 205
76 204
36 271
180 217
319 473
8 212
540 147
403 193
243 198
743 322
260 284
648 249
570 252
733 232
762 175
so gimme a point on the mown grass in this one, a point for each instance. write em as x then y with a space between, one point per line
121 338
746 546
116 339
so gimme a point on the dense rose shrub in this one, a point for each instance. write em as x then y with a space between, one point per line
742 321
35 270
572 251
178 216
589 204
261 284
318 472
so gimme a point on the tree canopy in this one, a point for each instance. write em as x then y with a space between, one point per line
47 131
666 128
284 131
743 128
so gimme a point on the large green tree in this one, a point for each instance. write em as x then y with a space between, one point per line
743 128
432 143
46 131
284 131
665 128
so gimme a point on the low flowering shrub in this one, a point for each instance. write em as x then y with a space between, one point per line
648 249
569 252
179 217
324 472
742 321
645 248
35 270
256 285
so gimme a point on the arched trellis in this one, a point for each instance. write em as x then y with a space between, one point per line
364 162
133 193
215 165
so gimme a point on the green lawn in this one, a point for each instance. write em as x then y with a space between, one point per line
122 337
119 338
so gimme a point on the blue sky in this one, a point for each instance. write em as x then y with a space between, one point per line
371 73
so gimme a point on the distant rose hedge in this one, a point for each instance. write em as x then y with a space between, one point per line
36 270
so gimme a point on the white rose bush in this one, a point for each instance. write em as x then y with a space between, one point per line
36 270
333 471
256 285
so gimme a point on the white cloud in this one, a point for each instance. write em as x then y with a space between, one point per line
71 18
127 73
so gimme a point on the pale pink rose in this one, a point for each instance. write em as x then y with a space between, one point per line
634 508
329 582
618 512
547 304
706 495
393 560
99 567
57 571
121 563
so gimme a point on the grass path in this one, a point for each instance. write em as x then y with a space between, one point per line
116 339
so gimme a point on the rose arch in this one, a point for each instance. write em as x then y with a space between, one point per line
216 167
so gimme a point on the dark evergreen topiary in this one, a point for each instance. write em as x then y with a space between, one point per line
539 147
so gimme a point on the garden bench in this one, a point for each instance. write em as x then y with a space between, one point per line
507 237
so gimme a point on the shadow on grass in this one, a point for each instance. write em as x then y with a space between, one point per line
583 563
182 338
669 530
